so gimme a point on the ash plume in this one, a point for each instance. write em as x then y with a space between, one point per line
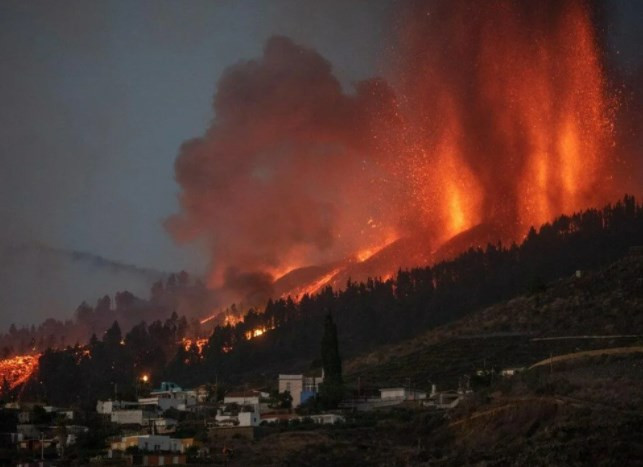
285 172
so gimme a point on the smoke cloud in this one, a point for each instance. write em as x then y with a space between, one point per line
289 169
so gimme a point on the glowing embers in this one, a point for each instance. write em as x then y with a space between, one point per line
17 370
198 343
228 319
260 331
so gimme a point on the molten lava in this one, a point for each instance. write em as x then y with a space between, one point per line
315 286
17 370
507 116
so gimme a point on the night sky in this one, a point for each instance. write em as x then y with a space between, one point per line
97 97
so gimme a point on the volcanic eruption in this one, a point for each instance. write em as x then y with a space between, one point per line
494 117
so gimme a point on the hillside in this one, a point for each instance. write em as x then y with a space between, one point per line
581 407
566 316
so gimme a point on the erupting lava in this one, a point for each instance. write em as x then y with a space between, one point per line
507 118
17 370
497 117
316 285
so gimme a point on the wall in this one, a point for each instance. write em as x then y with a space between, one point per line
127 417
294 384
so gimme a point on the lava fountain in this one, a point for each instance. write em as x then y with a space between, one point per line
507 117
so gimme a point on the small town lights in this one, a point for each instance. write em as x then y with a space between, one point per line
145 378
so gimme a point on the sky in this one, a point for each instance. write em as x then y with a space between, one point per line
97 97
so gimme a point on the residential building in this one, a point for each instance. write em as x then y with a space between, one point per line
153 443
164 425
108 406
251 397
300 387
402 394
131 416
170 395
242 418
511 371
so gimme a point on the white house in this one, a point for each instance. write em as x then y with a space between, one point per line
170 395
243 418
327 418
108 406
300 387
245 397
511 371
164 425
178 401
402 394
248 418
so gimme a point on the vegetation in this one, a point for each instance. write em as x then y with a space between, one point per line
331 391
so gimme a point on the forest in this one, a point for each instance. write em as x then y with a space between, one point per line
285 335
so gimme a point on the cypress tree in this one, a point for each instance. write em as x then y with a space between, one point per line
331 391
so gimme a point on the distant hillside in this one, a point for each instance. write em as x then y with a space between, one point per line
40 282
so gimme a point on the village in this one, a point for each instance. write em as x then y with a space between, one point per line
171 425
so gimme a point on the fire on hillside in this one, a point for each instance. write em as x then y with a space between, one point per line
18 369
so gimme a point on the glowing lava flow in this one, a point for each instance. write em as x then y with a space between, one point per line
366 253
17 370
318 284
